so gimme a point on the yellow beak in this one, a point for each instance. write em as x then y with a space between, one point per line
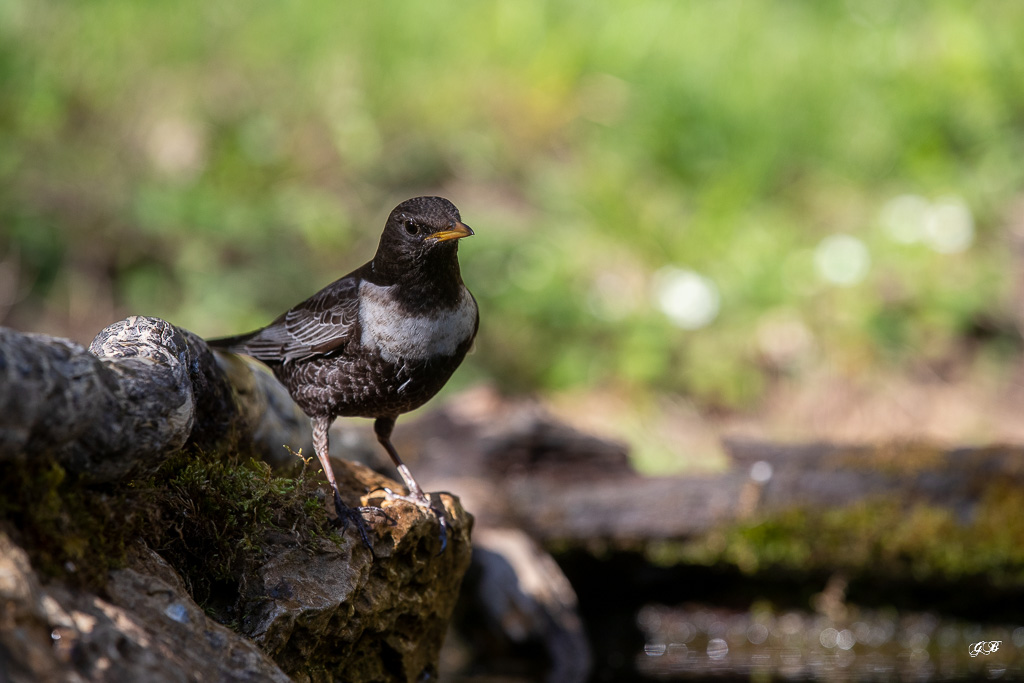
458 231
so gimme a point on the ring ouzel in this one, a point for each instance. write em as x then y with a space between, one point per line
380 341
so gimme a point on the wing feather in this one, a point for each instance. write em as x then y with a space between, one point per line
322 324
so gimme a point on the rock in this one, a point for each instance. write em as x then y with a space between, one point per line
307 603
346 614
330 611
148 629
266 410
26 649
526 596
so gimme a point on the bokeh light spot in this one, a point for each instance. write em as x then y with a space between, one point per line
950 226
717 648
842 260
904 218
691 301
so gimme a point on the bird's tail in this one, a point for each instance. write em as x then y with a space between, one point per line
235 344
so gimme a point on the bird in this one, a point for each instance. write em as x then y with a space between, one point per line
378 342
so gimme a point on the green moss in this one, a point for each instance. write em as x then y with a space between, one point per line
216 514
881 537
69 530
204 512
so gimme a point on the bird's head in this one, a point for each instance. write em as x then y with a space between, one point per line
419 230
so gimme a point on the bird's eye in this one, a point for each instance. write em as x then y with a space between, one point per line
412 228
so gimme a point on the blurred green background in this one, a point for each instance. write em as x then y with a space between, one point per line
670 198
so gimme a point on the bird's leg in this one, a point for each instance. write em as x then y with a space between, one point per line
321 444
382 427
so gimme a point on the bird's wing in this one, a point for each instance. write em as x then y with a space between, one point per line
322 324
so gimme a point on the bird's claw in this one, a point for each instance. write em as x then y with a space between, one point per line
423 503
356 516
380 512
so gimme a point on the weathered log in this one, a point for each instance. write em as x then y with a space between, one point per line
840 474
507 458
141 392
635 510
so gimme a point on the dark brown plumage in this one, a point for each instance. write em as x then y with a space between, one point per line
380 341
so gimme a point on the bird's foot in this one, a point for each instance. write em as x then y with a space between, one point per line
357 516
423 502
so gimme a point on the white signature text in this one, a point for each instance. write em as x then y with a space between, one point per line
984 647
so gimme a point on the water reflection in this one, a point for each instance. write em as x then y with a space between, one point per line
696 641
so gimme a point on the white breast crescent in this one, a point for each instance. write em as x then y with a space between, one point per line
412 337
